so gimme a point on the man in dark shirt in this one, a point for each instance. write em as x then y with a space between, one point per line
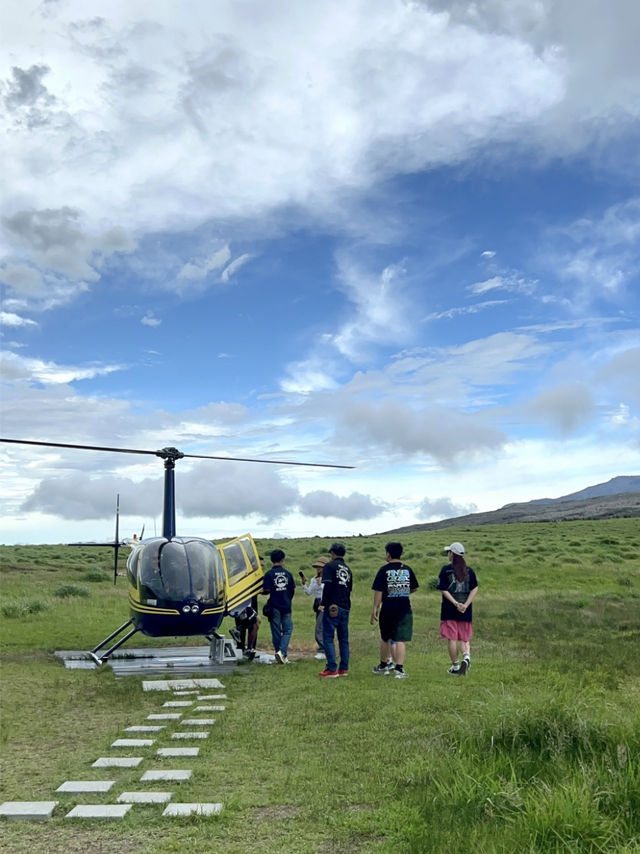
279 584
337 582
392 586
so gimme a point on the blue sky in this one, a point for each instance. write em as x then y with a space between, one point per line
403 236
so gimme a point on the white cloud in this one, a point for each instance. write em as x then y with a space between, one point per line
443 508
355 506
566 409
16 367
150 320
234 266
8 318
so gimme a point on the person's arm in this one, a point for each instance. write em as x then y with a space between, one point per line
462 606
377 601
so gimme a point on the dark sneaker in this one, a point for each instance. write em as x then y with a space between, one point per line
328 674
464 666
343 672
455 670
380 670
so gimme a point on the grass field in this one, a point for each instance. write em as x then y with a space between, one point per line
536 750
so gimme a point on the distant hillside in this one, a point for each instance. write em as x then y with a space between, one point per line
615 486
604 506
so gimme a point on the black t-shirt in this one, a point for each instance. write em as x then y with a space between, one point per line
279 583
459 590
337 583
395 581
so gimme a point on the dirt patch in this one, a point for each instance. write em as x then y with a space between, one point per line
275 812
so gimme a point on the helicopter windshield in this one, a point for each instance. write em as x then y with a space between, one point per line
179 569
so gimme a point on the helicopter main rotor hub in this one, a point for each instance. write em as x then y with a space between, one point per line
170 454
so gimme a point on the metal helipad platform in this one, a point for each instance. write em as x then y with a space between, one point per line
145 661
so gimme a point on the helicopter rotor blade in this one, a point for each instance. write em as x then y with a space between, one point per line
172 453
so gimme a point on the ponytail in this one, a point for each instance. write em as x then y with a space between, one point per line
459 567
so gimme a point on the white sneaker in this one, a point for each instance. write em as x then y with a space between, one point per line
320 656
455 669
279 657
402 674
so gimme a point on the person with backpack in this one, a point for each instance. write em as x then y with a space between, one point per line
392 587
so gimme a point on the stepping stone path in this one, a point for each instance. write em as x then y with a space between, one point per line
43 810
77 786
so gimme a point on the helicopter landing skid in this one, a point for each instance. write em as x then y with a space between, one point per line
100 659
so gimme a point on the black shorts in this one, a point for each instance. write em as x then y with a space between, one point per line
396 627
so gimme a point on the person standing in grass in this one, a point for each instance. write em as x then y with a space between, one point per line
314 588
392 586
459 587
337 583
278 583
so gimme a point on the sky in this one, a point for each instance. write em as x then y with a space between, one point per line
400 236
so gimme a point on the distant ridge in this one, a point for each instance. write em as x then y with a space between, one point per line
602 501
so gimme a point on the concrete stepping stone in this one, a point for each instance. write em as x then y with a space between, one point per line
177 704
178 751
202 697
27 810
165 716
190 735
144 797
76 786
99 811
198 722
185 693
192 809
132 742
173 774
209 709
144 728
117 762
180 684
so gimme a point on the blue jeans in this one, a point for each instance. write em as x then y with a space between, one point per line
281 629
331 625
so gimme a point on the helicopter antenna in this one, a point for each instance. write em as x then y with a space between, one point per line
116 542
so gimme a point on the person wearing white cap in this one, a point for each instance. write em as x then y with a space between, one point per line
314 588
459 586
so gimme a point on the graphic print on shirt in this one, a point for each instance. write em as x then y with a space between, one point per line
343 575
459 589
398 582
280 581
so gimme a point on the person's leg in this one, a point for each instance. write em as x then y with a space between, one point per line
276 629
343 639
385 651
328 631
453 650
287 630
399 653
252 638
318 632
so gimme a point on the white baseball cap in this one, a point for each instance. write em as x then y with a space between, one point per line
456 548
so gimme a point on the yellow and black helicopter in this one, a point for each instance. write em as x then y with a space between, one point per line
180 586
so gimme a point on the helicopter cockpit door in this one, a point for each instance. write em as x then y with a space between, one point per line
243 572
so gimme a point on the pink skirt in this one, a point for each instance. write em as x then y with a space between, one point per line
456 630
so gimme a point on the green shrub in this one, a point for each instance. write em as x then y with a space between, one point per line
68 590
23 607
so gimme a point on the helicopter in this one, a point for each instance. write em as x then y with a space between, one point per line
179 586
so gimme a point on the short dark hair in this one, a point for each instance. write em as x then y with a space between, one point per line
338 549
394 550
277 555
